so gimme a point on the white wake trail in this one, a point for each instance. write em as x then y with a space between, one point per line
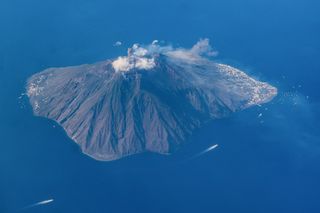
205 151
202 153
37 204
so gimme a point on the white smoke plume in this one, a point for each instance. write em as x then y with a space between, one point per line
143 57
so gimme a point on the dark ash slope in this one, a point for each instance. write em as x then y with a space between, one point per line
113 114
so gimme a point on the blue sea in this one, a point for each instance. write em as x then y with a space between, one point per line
268 158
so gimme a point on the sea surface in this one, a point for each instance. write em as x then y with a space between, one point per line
268 156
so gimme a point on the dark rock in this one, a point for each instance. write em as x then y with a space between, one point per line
112 114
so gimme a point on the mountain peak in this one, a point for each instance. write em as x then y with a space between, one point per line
150 100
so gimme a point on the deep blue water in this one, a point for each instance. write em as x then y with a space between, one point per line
262 164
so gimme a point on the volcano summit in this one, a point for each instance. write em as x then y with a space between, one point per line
150 100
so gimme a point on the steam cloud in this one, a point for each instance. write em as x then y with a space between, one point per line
143 57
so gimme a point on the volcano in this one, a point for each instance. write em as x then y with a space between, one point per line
150 100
